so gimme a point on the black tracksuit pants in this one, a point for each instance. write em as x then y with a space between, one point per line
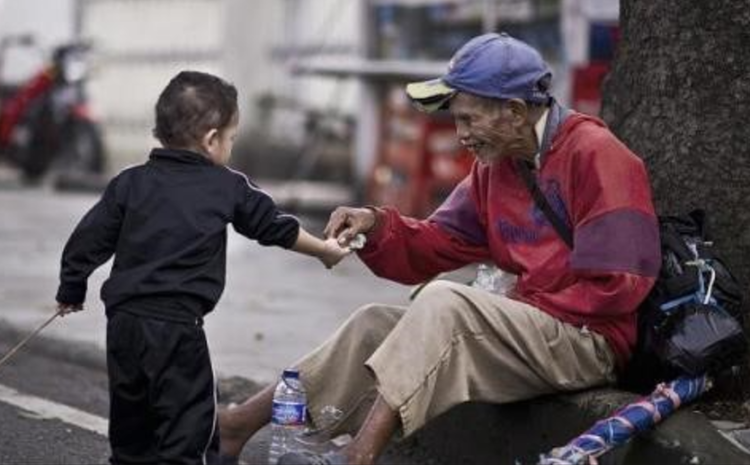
162 392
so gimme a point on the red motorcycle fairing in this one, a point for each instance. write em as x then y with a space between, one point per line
83 112
13 110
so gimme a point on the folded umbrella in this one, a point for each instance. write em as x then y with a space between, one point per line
635 418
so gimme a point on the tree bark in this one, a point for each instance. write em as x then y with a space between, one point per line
679 96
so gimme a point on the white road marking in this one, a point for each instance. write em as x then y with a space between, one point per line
48 409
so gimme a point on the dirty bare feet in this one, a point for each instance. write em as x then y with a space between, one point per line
238 424
232 433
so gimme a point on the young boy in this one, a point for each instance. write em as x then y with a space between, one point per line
165 222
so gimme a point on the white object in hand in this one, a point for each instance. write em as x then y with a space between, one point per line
357 242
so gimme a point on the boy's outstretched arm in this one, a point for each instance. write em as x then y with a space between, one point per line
257 217
327 251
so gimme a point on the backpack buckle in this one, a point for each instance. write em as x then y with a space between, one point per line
704 266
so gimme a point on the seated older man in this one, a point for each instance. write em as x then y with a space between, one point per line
553 197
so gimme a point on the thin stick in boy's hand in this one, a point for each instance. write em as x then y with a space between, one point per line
64 309
25 340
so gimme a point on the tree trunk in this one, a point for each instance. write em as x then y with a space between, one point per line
679 96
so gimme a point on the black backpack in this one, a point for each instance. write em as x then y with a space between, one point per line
692 321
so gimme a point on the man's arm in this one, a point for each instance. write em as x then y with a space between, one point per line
92 243
411 251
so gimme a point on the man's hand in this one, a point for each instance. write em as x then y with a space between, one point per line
64 309
347 222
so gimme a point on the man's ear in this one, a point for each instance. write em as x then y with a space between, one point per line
519 111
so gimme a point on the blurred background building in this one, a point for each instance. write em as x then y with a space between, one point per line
320 81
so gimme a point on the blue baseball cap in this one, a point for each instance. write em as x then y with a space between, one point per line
491 65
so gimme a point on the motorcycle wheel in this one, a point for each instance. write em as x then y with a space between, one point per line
33 148
82 150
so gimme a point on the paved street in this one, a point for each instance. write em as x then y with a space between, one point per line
33 435
53 409
277 306
53 395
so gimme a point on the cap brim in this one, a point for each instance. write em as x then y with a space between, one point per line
430 96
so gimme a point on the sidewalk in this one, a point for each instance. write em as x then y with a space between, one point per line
276 306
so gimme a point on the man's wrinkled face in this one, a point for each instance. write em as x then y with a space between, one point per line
484 126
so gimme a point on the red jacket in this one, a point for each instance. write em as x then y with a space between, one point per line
592 181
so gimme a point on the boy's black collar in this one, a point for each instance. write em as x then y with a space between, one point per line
180 155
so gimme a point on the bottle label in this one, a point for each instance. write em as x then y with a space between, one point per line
288 413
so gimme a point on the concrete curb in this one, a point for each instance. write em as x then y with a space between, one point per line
480 433
84 354
91 356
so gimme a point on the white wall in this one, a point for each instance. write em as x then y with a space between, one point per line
330 23
251 29
260 32
238 39
139 45
50 21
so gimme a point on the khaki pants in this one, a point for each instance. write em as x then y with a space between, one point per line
451 345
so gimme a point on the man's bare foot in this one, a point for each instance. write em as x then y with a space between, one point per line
233 434
237 424
312 458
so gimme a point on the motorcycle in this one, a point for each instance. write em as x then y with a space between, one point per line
46 124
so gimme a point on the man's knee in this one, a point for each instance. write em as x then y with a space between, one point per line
442 299
440 291
373 322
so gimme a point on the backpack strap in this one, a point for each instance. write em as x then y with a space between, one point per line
556 117
541 201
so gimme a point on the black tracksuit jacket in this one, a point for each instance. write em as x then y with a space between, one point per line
165 222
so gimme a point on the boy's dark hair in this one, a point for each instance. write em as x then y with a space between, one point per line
192 104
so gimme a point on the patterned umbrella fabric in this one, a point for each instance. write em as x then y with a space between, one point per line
633 419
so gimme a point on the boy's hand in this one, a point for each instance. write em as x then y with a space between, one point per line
333 253
64 309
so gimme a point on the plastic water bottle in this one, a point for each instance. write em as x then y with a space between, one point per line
492 279
288 415
485 278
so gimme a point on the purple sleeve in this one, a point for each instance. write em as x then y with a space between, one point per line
622 240
458 215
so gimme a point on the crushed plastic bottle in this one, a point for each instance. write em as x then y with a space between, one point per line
328 416
492 279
